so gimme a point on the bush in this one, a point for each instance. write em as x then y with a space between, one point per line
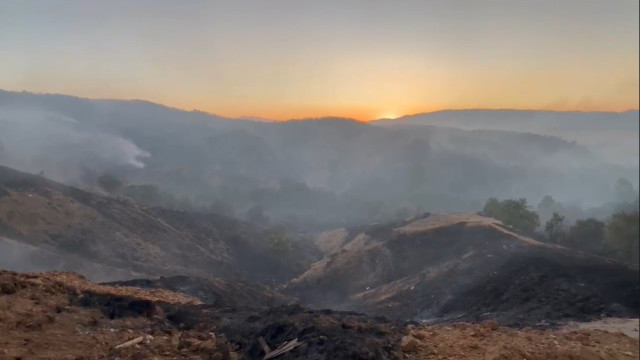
621 237
279 247
554 229
513 213
586 235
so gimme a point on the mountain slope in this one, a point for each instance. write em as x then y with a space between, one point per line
113 238
464 266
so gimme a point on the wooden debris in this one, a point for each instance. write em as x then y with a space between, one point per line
138 340
284 348
264 345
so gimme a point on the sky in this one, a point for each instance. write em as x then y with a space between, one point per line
364 59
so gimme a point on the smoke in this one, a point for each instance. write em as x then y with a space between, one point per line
62 147
21 257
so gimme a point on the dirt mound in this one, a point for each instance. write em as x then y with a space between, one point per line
214 291
466 267
108 238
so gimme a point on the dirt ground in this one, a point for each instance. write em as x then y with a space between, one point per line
489 341
61 316
628 327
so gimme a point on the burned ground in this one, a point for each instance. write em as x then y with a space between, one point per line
466 267
213 291
62 316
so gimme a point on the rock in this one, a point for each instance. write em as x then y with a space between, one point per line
204 346
189 344
490 324
409 344
421 335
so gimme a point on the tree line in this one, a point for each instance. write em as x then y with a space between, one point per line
617 236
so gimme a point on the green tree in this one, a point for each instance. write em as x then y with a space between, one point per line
110 183
621 237
586 235
514 213
279 246
554 228
492 208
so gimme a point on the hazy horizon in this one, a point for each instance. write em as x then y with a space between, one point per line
326 116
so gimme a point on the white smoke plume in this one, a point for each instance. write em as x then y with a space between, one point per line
60 146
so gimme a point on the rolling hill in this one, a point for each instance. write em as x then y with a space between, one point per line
464 267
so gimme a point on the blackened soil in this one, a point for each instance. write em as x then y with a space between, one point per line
326 334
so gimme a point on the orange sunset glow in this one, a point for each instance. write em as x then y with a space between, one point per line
362 62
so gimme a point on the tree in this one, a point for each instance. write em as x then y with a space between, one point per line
514 213
621 237
624 191
145 193
256 215
110 183
491 207
279 247
554 228
586 235
547 207
547 203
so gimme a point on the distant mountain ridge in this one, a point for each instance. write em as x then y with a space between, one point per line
329 169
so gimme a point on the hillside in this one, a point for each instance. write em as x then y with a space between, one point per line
330 171
613 134
45 225
465 267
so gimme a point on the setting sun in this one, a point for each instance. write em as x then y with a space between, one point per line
387 115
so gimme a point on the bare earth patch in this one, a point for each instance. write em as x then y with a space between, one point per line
489 341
